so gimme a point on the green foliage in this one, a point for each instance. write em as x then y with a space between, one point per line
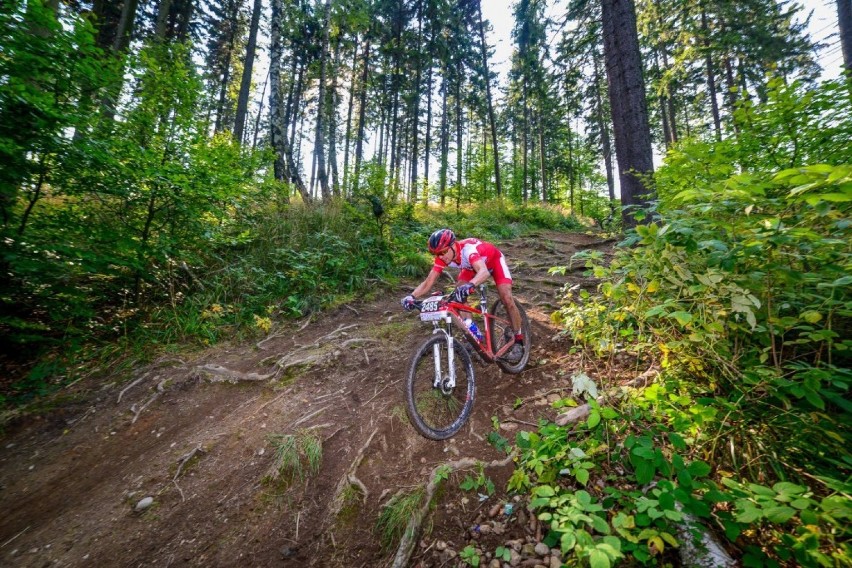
469 556
739 287
478 483
294 456
394 516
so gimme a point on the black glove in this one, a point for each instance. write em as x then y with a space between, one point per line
461 293
408 302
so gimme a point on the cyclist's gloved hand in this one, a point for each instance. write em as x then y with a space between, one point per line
408 302
462 292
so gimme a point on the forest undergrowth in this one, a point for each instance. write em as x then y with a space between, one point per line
738 285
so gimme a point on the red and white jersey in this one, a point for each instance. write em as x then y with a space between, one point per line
469 251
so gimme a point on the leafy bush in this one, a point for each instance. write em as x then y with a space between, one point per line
739 287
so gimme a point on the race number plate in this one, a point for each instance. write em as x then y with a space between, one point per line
433 309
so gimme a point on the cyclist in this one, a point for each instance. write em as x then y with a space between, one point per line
478 261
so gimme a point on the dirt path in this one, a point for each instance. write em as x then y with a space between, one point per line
198 444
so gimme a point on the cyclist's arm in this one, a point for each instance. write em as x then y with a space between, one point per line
482 273
426 286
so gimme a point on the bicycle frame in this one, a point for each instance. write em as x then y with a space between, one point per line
484 348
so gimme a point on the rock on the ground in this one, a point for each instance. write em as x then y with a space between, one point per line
144 504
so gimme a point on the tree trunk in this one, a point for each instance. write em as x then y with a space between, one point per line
415 104
362 116
606 145
223 92
711 77
162 20
844 23
332 123
445 142
284 166
542 166
459 126
245 84
348 136
428 139
319 145
627 101
524 193
491 118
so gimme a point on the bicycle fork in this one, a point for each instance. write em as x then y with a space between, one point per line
438 381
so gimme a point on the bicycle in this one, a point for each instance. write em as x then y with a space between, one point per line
440 386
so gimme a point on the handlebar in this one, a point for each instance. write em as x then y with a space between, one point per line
481 289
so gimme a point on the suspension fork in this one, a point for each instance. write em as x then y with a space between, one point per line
438 381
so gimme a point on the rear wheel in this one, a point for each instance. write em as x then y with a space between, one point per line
438 412
502 332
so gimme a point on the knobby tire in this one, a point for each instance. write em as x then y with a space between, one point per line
433 414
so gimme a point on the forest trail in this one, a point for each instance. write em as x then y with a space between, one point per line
180 432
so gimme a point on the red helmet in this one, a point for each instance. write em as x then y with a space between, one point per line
441 240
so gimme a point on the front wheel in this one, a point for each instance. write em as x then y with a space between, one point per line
438 412
501 332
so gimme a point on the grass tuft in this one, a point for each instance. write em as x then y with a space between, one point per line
295 456
395 516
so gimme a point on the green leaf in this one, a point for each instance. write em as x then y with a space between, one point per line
811 316
568 541
645 471
748 515
582 476
699 469
682 318
594 419
600 525
779 514
599 559
544 491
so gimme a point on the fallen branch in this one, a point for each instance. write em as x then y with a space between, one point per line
581 412
412 530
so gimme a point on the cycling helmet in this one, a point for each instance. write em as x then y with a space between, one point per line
441 240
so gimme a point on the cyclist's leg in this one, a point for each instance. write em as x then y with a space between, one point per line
504 290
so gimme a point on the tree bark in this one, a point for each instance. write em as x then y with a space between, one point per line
606 145
319 145
348 136
284 166
627 101
332 123
245 83
844 22
362 117
711 77
415 104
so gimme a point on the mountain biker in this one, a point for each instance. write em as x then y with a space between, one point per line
478 261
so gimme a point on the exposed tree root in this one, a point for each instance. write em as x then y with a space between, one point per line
412 530
182 462
136 413
582 412
349 478
218 373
